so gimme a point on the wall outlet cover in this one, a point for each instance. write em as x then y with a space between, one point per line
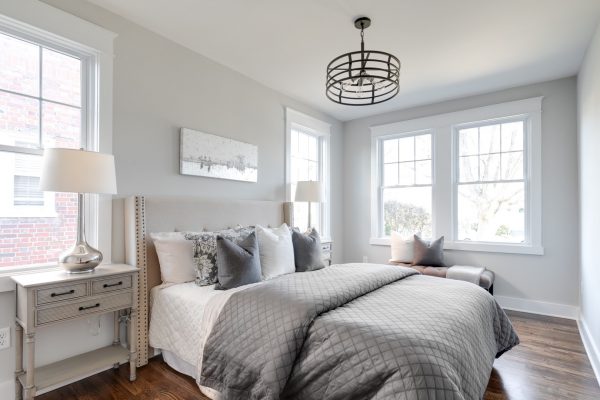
4 338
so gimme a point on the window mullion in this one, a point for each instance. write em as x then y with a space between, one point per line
40 104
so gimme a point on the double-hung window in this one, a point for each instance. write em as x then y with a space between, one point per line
405 184
473 176
308 160
48 98
491 185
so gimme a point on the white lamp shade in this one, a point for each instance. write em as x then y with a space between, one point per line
309 191
78 171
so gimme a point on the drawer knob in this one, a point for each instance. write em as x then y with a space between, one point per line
107 285
88 307
63 293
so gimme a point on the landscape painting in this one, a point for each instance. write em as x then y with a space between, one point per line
203 154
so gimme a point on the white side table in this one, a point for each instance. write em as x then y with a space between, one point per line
53 297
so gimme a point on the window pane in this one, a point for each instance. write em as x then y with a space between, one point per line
302 145
61 125
489 139
313 145
390 174
61 78
468 142
390 151
19 66
512 136
512 165
407 148
303 170
313 171
423 172
469 169
27 192
19 120
408 211
32 232
294 144
294 170
423 147
492 212
407 173
489 167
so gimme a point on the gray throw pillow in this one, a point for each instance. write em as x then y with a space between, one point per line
429 253
237 264
307 251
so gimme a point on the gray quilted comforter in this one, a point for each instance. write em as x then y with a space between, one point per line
356 331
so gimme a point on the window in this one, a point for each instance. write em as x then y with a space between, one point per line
490 186
50 96
473 176
308 160
405 185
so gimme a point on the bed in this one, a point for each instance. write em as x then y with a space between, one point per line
352 331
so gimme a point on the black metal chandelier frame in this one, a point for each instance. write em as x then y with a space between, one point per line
363 77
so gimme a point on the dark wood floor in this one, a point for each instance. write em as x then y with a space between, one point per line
550 363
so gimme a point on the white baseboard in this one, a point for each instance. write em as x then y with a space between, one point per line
8 388
590 347
538 307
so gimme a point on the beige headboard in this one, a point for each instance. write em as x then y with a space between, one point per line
144 215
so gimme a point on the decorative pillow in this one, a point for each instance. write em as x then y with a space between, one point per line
402 249
429 254
205 251
237 264
167 236
276 251
175 257
308 254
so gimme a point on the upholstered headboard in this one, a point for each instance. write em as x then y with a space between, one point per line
145 215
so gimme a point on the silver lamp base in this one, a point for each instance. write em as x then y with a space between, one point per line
81 258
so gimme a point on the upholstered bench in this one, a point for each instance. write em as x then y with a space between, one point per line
486 279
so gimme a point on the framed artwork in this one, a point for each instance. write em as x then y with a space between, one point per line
203 154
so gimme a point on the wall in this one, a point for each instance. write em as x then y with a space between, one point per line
522 280
160 86
589 198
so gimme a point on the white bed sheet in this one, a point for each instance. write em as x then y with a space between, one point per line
181 318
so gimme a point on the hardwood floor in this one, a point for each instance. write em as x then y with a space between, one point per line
550 363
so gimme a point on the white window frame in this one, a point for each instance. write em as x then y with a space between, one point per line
445 169
322 131
53 28
377 225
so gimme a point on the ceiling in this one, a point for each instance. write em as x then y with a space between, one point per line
448 49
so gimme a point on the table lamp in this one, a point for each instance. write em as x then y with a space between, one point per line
78 171
311 192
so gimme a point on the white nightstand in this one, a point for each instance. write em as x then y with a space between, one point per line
49 298
326 250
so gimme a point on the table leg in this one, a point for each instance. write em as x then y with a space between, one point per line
116 333
18 361
29 389
132 344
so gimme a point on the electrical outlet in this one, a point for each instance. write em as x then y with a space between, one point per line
4 338
365 259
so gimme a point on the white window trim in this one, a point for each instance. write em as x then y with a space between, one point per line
57 29
442 127
323 130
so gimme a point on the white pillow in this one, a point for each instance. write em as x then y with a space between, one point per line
276 251
167 235
176 258
402 248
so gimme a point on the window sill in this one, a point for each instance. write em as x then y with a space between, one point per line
7 284
479 247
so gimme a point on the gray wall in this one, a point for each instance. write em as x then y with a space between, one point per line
552 277
589 186
160 86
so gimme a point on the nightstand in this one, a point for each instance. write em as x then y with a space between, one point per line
326 250
49 298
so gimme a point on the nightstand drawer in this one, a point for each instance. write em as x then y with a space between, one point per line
326 247
60 293
91 306
109 285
